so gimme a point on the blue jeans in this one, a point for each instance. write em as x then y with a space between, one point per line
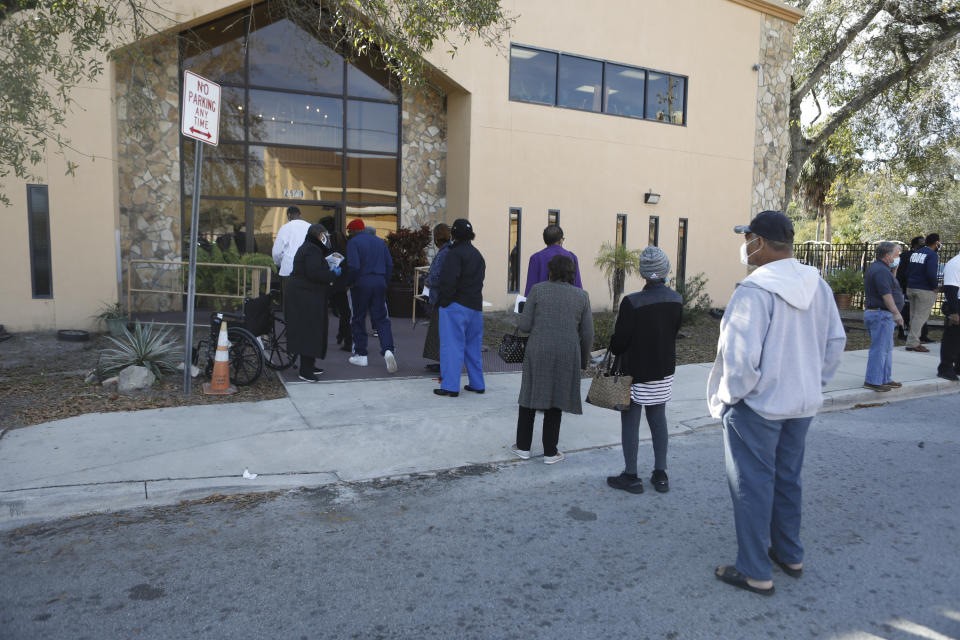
880 324
369 293
461 334
763 460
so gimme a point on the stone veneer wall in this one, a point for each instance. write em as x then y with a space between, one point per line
772 139
148 154
423 186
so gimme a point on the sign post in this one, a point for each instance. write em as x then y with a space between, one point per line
200 120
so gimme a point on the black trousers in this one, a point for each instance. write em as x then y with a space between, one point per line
307 365
341 304
950 349
551 429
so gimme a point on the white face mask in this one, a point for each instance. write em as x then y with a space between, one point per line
744 256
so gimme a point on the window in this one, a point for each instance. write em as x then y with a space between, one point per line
292 107
579 83
624 90
654 235
621 229
513 247
665 98
680 275
533 75
553 216
38 222
575 82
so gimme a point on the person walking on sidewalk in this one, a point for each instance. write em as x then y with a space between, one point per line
558 318
431 344
645 340
307 291
461 312
949 367
922 288
370 268
883 300
781 341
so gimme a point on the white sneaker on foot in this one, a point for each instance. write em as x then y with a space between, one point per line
391 361
357 359
553 459
520 453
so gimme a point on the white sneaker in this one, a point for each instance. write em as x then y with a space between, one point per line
520 453
553 459
391 361
357 359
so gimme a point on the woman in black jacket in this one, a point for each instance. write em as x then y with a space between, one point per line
644 339
306 312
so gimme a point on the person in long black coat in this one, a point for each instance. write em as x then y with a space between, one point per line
306 312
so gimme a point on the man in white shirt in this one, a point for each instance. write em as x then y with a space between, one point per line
289 238
949 367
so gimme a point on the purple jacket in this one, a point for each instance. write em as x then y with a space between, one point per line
537 268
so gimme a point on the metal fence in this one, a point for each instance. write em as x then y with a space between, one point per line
829 257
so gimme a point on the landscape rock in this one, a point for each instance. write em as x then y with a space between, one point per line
135 378
109 382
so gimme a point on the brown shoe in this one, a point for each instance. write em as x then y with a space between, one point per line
892 384
876 387
919 348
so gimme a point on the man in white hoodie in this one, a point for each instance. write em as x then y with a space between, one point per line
781 340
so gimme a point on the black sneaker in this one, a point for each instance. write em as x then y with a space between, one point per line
318 371
948 375
659 481
626 482
308 377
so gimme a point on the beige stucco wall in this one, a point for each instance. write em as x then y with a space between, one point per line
593 166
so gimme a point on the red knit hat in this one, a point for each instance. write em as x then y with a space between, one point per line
356 225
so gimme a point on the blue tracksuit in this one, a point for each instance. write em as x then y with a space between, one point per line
370 267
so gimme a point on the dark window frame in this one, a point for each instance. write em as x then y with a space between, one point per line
683 232
603 106
653 236
31 214
510 256
345 97
553 214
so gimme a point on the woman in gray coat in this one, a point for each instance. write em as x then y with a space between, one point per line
557 316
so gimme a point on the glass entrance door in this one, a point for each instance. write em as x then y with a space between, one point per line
268 218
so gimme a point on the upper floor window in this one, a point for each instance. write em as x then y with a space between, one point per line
576 82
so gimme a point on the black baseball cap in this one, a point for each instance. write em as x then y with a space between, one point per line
771 225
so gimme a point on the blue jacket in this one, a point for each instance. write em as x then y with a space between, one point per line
923 269
433 277
367 255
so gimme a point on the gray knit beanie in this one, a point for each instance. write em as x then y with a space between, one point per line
654 264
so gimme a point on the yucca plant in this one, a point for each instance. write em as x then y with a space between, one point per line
616 262
146 346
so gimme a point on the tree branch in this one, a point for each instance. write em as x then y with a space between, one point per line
834 54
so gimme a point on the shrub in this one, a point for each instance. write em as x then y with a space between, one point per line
848 281
696 301
224 280
146 346
408 250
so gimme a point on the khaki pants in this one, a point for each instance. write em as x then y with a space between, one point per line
921 303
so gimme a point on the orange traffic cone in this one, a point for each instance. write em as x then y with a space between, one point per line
219 384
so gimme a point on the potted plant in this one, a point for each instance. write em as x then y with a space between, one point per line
408 250
114 318
845 283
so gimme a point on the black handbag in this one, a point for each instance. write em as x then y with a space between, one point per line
512 348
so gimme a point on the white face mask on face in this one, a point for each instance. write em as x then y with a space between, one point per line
744 256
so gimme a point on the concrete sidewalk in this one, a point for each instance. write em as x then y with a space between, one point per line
332 432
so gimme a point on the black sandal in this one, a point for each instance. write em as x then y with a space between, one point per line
790 571
731 576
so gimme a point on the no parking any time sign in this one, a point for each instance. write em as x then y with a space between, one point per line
200 113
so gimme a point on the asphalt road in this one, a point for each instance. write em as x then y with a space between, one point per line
521 550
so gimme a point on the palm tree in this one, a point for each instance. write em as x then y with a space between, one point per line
616 262
812 188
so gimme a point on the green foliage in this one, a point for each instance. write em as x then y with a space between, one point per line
146 346
110 312
408 250
616 263
845 281
696 301
604 323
